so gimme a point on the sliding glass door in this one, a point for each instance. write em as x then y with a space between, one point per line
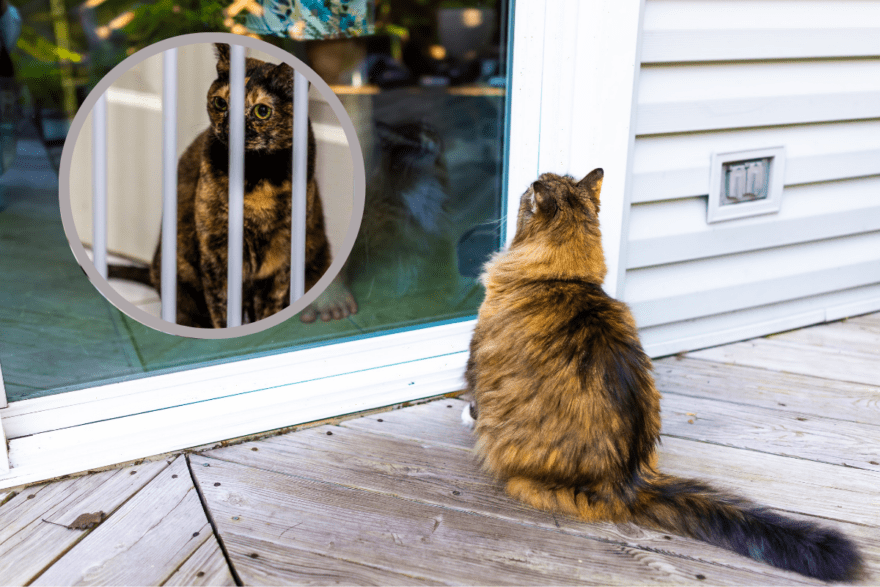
425 84
446 118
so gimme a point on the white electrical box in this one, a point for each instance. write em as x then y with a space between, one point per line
745 183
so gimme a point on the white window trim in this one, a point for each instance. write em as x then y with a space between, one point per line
4 456
91 428
574 105
4 452
574 70
3 402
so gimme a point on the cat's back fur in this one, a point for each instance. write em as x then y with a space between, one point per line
567 413
564 340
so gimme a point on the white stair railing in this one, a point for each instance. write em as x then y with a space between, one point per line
169 186
236 186
298 195
99 186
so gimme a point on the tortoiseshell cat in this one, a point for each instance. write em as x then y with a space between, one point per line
567 415
202 199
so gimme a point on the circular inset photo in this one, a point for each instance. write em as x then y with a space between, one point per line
211 186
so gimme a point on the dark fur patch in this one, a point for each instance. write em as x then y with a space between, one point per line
273 167
693 509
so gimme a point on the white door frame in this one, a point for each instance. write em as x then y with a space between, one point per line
574 70
4 453
573 106
3 400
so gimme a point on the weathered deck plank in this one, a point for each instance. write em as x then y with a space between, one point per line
790 357
438 421
28 544
824 494
850 336
782 392
795 485
440 475
252 507
871 321
144 542
282 564
810 435
806 436
206 566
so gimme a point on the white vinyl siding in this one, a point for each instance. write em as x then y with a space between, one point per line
725 75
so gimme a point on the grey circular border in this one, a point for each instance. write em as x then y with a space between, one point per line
357 212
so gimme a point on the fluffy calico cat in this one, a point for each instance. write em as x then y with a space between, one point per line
202 213
567 415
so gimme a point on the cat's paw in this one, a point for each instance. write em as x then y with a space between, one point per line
335 303
467 415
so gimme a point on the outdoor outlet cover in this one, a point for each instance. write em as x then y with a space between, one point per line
746 183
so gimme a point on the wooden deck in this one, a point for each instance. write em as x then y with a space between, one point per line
791 421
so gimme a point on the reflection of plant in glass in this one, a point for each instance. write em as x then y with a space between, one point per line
66 46
66 50
42 49
46 56
168 18
313 19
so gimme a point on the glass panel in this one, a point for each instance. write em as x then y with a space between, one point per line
423 81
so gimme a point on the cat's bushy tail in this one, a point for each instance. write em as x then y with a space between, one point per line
692 508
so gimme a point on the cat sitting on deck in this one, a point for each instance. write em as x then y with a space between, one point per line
567 414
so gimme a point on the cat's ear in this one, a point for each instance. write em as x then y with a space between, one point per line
542 198
283 72
592 183
221 50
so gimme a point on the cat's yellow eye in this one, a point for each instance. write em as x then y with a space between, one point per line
219 103
262 111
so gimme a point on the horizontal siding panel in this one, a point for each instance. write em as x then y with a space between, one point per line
670 184
749 295
724 241
751 112
669 46
686 216
694 181
756 14
701 275
676 230
669 339
710 81
676 166
668 293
